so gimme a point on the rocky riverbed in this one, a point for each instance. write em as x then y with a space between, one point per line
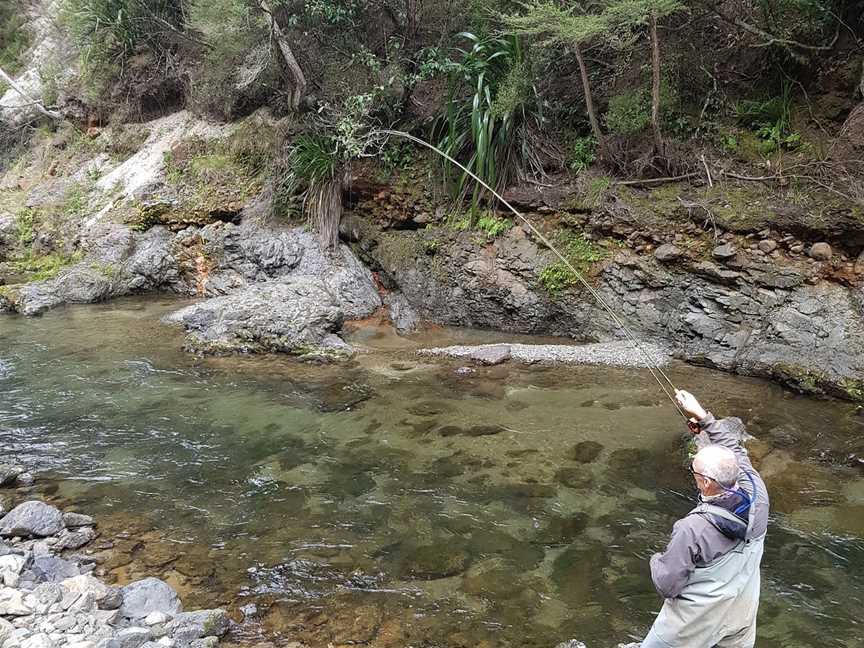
50 598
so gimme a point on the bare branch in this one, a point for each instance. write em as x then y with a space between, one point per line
31 101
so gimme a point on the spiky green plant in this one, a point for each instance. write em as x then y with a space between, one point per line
315 170
491 127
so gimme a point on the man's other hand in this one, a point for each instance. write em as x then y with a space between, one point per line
690 405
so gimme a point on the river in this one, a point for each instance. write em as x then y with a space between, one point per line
402 502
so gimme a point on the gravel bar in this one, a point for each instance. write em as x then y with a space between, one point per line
615 354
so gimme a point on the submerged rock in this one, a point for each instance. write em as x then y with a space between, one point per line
299 317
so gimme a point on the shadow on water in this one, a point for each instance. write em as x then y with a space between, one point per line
392 501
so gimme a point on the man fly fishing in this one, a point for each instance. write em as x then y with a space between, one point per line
709 573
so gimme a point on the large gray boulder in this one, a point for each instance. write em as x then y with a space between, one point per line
298 317
32 519
149 595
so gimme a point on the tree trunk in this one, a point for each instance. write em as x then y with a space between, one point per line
655 88
589 101
298 80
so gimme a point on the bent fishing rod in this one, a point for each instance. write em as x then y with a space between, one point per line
653 366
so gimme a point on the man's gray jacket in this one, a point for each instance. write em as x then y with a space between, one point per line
709 573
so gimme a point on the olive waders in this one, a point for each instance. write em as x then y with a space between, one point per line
718 605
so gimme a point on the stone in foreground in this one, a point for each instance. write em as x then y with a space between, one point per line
32 519
298 317
149 595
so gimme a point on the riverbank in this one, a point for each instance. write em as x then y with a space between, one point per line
778 299
50 597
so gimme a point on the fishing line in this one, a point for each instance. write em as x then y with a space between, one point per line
653 366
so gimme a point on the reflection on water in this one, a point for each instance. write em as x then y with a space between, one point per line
393 501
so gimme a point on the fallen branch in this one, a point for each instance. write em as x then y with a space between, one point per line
652 181
31 101
770 39
707 171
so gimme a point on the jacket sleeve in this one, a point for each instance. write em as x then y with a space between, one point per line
727 432
671 569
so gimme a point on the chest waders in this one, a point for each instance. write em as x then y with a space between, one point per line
718 605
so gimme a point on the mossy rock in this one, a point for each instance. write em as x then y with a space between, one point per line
585 451
434 561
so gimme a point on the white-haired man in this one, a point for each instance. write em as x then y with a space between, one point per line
709 573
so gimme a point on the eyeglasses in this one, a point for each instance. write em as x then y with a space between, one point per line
694 473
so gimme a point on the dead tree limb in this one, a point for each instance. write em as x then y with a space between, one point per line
30 100
298 79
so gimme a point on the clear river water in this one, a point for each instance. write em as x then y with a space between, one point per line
396 501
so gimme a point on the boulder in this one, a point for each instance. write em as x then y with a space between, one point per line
50 569
9 473
149 595
6 630
32 519
820 252
188 626
131 638
74 539
297 317
12 603
667 253
402 314
106 597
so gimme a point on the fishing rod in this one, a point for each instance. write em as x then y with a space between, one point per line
653 366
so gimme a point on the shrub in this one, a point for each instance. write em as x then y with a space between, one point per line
580 252
582 154
108 32
14 39
630 112
490 128
493 225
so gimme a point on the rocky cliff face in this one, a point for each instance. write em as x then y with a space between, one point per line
750 298
734 308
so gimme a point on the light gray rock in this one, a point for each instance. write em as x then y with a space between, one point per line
25 479
768 245
149 595
40 640
493 354
295 317
12 603
724 252
202 623
572 643
820 252
74 539
74 520
9 473
156 618
50 569
131 638
402 314
31 519
6 630
667 253
104 596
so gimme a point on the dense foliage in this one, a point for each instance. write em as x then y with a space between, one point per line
513 91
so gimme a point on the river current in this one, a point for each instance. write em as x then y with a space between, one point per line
508 506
